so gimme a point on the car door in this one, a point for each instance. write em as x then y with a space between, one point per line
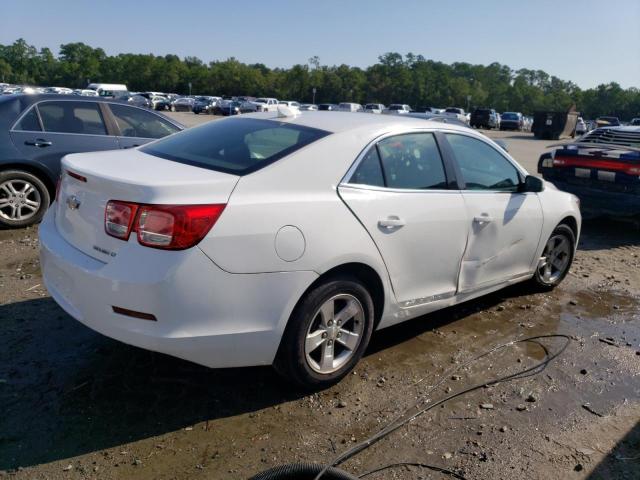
54 128
400 193
137 126
504 224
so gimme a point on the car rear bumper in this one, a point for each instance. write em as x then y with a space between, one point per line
203 313
595 201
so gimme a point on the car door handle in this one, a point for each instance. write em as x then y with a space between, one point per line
482 219
132 146
390 222
38 143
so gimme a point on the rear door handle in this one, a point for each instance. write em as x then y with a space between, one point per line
482 219
39 142
391 222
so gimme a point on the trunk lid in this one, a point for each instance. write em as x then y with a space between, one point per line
127 175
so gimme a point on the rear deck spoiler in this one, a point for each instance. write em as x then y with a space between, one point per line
600 146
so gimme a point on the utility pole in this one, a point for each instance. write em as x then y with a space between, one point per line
314 95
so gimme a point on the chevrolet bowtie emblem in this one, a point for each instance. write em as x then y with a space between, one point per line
73 203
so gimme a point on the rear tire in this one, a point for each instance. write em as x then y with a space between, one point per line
24 199
558 253
327 333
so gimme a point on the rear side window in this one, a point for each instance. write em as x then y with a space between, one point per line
237 145
412 161
30 122
369 171
72 117
135 122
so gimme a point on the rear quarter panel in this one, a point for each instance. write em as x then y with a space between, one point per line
301 191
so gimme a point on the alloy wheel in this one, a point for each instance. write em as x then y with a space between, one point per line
19 200
555 258
334 333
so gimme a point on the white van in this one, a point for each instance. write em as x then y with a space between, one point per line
108 89
349 107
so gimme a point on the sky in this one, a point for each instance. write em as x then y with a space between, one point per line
588 42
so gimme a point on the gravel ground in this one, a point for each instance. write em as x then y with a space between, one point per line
78 405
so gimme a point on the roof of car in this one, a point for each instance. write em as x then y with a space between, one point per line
12 105
336 121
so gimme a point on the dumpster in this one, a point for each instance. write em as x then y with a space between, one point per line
555 125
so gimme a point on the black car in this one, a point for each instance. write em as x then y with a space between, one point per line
36 131
227 107
602 169
607 122
511 121
484 118
327 106
136 100
204 105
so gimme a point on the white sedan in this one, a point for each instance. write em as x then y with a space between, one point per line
287 238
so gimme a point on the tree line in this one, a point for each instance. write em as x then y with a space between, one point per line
411 79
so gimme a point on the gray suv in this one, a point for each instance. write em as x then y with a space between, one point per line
36 131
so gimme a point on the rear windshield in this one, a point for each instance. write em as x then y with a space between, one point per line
237 145
510 116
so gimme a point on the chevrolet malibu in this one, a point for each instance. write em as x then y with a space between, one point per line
287 238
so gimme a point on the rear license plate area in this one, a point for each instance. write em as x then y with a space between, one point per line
583 172
606 176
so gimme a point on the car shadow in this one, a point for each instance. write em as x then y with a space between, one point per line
410 329
66 390
623 461
604 233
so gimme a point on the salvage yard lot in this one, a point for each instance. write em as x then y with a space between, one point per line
79 405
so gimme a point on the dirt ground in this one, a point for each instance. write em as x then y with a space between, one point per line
76 405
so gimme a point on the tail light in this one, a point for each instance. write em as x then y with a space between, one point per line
169 227
598 163
119 218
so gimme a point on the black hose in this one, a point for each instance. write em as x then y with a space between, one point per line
302 471
311 471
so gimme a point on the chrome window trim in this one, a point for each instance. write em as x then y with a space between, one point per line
33 105
521 171
375 188
345 181
356 163
43 131
24 114
152 112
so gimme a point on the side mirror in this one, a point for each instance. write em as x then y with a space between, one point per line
532 184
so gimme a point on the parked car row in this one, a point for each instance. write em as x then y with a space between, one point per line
489 118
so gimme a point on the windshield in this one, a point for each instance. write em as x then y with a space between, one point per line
236 146
510 116
396 107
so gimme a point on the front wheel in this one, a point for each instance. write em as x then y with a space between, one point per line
327 333
24 199
556 259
